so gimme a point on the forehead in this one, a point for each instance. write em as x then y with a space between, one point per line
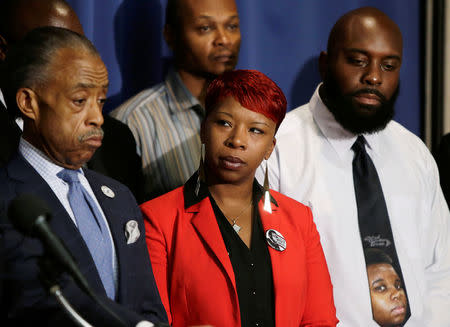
207 8
381 270
371 35
72 67
232 107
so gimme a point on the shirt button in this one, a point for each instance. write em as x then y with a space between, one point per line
257 324
254 293
252 265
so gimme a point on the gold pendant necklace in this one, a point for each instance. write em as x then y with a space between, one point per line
235 226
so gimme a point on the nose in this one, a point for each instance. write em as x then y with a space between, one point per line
221 38
395 294
373 74
237 138
95 115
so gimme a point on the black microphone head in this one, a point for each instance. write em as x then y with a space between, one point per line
24 210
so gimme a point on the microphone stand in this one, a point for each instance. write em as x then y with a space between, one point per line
76 318
49 275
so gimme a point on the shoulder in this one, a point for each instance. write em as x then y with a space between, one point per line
285 202
166 205
445 140
296 118
97 180
294 214
143 100
114 125
397 136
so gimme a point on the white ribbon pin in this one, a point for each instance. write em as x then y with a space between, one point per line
132 232
108 192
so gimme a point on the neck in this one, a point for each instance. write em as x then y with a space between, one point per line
230 193
39 143
196 84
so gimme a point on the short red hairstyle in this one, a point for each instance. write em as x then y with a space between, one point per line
252 89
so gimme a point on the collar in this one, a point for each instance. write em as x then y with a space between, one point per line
180 98
190 198
39 161
338 137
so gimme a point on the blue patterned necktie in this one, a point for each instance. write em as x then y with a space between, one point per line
92 227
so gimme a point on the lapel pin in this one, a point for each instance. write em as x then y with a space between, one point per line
132 232
275 240
108 192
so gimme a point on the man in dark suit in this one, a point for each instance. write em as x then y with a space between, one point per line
443 162
58 82
117 157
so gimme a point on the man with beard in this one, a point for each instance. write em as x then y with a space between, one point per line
204 36
369 181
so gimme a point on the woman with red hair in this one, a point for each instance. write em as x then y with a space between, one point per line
224 250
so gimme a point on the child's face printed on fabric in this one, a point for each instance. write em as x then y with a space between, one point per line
387 295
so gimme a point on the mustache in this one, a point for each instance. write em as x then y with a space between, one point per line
370 91
96 131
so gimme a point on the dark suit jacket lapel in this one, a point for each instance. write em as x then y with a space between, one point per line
113 216
117 220
29 181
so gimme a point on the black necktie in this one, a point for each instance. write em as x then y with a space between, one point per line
373 218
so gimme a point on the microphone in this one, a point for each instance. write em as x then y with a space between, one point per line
29 215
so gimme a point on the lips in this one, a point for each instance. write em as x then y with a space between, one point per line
231 162
399 310
368 99
223 57
94 141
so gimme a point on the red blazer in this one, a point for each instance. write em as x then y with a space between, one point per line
195 277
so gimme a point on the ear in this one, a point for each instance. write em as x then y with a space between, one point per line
323 65
3 48
270 150
27 102
169 36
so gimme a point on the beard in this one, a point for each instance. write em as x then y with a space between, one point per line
355 117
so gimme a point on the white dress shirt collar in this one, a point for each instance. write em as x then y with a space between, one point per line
339 138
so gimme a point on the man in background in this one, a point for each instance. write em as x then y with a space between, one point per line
369 181
117 156
204 36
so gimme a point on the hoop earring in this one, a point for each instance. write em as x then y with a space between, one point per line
267 206
201 170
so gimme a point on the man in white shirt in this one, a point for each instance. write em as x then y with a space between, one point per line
313 159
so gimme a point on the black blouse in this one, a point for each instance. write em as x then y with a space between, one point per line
252 267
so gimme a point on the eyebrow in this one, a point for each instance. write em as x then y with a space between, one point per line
90 86
253 122
378 280
261 123
210 17
225 113
364 52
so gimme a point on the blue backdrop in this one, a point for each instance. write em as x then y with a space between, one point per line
280 38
